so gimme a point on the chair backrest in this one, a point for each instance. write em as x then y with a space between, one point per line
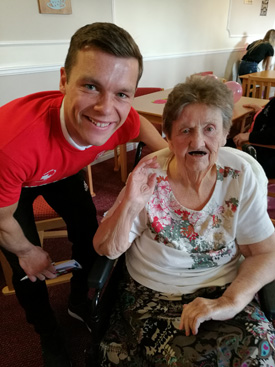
147 90
204 73
235 72
259 87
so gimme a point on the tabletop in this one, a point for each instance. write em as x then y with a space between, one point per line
239 109
151 105
269 74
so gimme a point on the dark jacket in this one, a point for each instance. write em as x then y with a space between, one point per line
264 127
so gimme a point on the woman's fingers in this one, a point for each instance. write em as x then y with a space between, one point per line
195 313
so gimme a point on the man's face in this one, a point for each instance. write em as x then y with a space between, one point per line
98 95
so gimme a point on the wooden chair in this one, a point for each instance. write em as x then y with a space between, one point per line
257 87
49 225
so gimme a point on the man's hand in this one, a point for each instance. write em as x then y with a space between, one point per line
204 309
37 264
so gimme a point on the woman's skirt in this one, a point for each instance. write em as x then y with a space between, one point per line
144 332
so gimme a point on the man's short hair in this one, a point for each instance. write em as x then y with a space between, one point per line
107 37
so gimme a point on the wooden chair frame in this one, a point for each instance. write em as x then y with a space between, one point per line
258 87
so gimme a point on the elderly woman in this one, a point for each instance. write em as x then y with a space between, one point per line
184 220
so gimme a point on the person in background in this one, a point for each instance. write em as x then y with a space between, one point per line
257 51
262 131
46 138
199 245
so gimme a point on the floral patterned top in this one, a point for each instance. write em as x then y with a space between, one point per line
176 250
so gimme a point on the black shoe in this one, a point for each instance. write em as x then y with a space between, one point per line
54 351
82 313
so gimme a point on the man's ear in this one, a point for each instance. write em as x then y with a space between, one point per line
63 81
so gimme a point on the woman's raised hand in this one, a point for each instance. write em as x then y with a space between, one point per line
141 182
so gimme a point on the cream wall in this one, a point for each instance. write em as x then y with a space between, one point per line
176 37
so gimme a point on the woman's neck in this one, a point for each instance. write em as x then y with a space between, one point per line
192 189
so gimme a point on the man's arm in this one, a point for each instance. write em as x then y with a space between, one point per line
34 261
150 135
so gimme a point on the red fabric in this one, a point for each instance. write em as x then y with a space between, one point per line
33 150
203 73
42 210
253 122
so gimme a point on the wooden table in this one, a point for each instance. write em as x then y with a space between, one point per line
267 74
151 106
240 111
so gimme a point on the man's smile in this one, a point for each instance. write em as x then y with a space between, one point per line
98 123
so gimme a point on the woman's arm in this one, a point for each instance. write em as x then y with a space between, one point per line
256 270
241 138
112 236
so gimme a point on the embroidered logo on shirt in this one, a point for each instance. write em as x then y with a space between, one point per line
86 187
47 175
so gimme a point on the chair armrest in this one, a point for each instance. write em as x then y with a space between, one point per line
267 300
100 272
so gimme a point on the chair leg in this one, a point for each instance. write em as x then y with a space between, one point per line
7 271
116 167
123 162
90 180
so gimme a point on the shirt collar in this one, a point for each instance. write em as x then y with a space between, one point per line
66 133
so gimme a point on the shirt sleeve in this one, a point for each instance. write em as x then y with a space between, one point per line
139 225
254 224
11 179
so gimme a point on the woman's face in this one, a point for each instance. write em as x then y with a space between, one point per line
197 136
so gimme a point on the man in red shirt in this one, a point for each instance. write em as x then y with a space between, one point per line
45 140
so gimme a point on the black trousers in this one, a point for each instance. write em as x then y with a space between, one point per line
72 201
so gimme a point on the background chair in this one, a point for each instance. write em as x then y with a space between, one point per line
49 225
235 72
257 87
